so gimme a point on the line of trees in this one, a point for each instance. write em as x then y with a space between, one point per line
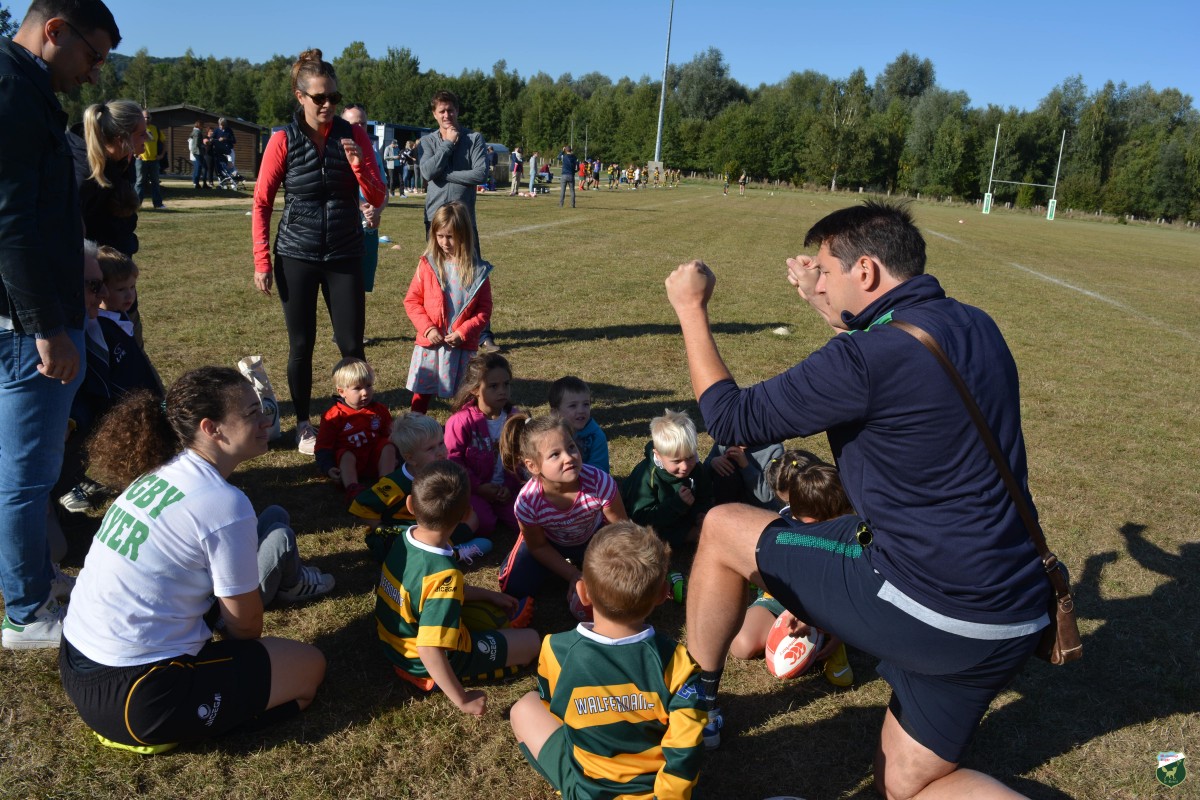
1130 150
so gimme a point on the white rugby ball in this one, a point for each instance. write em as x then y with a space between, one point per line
789 656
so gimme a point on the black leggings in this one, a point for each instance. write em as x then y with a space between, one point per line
341 283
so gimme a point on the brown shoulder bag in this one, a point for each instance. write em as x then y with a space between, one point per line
1060 640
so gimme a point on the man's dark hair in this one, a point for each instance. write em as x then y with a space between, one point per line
883 231
444 96
353 106
86 15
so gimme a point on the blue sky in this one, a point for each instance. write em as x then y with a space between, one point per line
1009 54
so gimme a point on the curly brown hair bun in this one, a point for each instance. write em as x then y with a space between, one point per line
143 432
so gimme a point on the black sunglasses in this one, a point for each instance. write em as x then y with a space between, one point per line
321 99
97 59
94 286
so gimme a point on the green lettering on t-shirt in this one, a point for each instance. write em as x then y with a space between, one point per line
115 541
172 495
137 487
109 522
137 534
154 490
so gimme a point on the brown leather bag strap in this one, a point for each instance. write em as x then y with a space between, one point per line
1049 560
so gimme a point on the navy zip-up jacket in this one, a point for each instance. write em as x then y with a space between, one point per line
946 532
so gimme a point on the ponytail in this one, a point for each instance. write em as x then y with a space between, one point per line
133 438
511 441
105 124
521 435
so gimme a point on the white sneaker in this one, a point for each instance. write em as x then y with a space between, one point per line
61 585
312 584
44 632
306 438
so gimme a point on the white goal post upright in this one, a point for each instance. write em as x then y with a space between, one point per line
987 198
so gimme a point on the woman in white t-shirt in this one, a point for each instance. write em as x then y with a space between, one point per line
180 554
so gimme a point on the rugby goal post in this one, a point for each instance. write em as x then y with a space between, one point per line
987 198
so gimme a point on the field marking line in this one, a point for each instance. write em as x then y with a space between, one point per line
572 219
1093 295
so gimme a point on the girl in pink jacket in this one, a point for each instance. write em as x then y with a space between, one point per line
450 303
481 407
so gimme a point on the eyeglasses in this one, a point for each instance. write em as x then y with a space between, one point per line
97 59
322 99
95 286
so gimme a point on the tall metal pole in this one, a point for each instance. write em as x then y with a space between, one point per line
662 100
996 147
1054 191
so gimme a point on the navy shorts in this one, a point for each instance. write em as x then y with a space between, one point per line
176 700
942 683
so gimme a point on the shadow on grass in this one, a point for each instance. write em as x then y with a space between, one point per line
541 337
1138 666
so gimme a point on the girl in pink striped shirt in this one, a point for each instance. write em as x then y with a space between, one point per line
558 510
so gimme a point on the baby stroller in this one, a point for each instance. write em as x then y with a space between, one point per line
227 175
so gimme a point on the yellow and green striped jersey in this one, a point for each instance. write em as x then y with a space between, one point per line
418 603
631 709
384 501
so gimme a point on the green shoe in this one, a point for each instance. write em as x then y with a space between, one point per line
142 750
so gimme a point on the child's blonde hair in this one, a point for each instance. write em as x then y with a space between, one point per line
476 373
410 431
625 569
441 495
817 493
522 436
115 265
674 434
352 371
454 216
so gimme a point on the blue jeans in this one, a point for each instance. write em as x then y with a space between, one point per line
278 559
199 171
33 429
147 173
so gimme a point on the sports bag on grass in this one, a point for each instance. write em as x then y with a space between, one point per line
1060 640
256 372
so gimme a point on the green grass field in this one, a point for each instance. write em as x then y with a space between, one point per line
1102 321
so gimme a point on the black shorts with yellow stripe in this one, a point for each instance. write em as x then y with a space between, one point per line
179 699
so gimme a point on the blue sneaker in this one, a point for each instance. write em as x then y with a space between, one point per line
712 731
467 552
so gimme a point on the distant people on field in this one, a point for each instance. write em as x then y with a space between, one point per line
148 169
569 165
518 164
391 161
196 154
